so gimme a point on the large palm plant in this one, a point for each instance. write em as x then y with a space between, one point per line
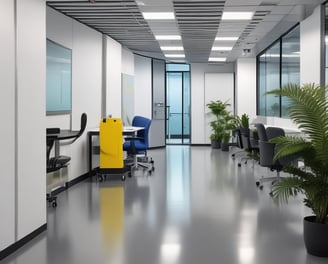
309 110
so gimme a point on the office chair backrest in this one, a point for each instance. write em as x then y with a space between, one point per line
140 121
261 132
245 137
82 126
273 132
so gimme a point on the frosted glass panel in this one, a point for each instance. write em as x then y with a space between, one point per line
59 78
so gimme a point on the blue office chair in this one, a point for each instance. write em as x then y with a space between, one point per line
137 145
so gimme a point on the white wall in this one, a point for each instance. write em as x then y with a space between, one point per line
310 30
246 87
23 185
113 77
143 86
7 105
31 71
198 70
127 61
86 45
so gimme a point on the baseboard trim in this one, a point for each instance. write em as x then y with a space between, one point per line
18 244
200 145
81 178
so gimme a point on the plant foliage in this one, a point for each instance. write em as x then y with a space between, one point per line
309 110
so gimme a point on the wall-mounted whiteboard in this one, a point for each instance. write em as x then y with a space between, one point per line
59 79
218 86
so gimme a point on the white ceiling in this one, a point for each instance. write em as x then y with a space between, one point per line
197 21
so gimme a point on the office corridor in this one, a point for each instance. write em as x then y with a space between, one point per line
198 207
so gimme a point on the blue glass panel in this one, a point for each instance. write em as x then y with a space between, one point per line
177 67
59 78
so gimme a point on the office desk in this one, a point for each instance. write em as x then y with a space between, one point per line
62 135
127 131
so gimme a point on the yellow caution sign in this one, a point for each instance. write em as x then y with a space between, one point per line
111 143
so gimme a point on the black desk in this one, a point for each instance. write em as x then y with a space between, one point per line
62 135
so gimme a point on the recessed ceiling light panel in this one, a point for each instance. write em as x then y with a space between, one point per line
237 15
221 48
226 38
168 37
172 48
217 59
158 15
174 55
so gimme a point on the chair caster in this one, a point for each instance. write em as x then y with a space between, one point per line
100 178
261 187
271 194
239 164
123 177
54 204
257 183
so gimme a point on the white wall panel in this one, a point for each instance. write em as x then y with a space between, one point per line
127 61
246 87
143 86
310 30
198 122
113 77
31 141
7 106
59 28
218 86
86 90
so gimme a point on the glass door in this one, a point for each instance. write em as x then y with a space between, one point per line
177 107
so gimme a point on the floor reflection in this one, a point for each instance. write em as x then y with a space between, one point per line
178 183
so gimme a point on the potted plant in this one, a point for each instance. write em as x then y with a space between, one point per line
227 123
309 110
218 109
244 121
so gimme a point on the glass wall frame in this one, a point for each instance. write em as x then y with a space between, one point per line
278 65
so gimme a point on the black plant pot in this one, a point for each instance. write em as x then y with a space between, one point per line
215 144
224 146
315 237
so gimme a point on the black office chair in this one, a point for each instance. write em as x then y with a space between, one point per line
250 145
137 146
61 161
267 153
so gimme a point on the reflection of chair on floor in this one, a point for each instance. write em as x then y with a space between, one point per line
137 145
60 161
267 153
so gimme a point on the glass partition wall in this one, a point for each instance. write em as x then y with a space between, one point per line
278 65
178 103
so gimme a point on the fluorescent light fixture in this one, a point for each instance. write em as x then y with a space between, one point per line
158 15
168 37
217 59
172 48
226 38
221 48
237 15
174 55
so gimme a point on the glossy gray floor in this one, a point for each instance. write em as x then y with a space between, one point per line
197 207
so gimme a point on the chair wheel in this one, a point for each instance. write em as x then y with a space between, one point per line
257 183
100 178
54 204
239 164
123 178
261 187
271 193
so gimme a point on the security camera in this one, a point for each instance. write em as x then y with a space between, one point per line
246 52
